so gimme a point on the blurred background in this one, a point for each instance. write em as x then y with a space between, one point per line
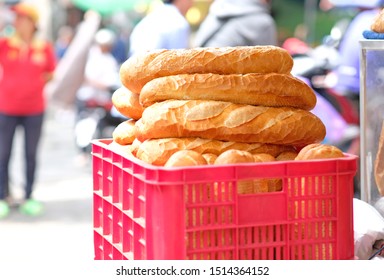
289 15
64 183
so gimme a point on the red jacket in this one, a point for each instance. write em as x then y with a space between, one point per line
23 71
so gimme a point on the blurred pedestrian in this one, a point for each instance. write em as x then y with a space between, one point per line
120 48
101 78
346 77
164 28
26 64
64 39
237 23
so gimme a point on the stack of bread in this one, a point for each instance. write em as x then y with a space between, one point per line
217 106
211 100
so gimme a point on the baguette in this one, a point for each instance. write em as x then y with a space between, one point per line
124 150
287 155
234 157
210 158
158 151
127 103
135 146
125 132
248 186
379 164
186 158
270 89
227 121
136 71
378 23
319 151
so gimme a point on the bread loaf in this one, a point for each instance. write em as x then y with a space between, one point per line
263 157
124 150
378 23
135 146
142 68
379 163
210 158
236 156
186 158
287 155
247 186
158 151
125 132
266 185
229 122
270 89
319 151
127 103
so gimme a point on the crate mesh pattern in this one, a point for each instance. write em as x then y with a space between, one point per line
144 212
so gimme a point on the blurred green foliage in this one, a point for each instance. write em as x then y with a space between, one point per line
289 14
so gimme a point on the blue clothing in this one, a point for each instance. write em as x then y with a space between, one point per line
369 34
237 23
164 28
348 72
119 51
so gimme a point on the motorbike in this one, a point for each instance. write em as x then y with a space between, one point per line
339 111
96 120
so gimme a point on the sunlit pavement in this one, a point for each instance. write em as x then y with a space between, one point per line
64 231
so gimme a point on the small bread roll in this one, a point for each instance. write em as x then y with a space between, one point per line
319 151
267 185
125 132
263 157
379 163
287 155
210 158
185 158
237 156
378 23
135 146
124 150
234 156
127 103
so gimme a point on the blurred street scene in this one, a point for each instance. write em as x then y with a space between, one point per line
64 231
64 180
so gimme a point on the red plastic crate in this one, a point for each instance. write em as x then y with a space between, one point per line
144 212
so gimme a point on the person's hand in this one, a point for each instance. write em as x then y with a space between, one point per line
325 5
378 248
91 14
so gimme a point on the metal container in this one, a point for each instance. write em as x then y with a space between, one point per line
371 114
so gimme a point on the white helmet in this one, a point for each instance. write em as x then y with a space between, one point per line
105 37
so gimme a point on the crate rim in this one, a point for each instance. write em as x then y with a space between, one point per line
104 142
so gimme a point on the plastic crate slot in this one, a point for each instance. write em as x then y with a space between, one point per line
140 221
127 236
129 213
209 216
139 243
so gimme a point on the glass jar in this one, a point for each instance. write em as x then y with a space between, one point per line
371 117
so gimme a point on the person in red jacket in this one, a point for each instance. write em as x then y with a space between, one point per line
26 64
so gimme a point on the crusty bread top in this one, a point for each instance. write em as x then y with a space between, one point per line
185 158
157 151
271 89
319 151
230 122
144 67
